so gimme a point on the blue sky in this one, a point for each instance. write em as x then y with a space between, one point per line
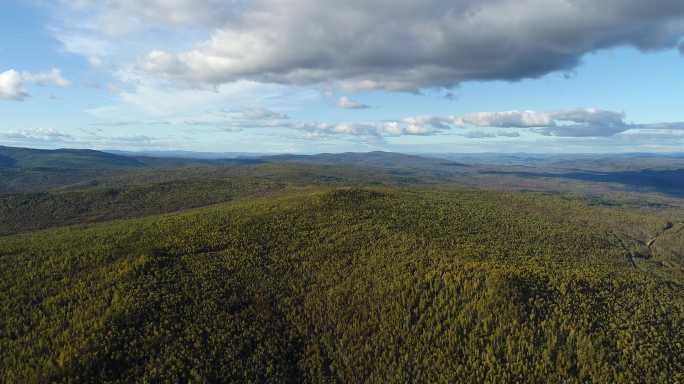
257 76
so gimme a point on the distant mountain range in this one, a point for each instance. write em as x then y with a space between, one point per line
190 154
93 159
63 158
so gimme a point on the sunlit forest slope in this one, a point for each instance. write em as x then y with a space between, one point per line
360 284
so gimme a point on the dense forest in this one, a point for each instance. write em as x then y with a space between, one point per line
297 273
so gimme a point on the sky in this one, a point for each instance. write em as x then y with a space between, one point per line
310 76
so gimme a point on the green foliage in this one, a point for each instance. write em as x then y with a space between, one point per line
87 197
341 285
31 211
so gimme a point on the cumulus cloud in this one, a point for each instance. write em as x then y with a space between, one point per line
585 123
117 17
205 55
11 86
681 48
427 125
572 123
590 122
13 83
402 45
576 123
346 103
410 126
507 119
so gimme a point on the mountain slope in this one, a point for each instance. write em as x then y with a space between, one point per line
63 158
342 285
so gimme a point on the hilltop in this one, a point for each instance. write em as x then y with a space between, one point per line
352 267
343 285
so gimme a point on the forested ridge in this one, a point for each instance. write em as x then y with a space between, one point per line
30 211
347 285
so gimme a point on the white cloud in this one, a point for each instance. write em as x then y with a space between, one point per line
392 128
350 129
572 123
411 126
11 86
585 123
213 63
84 43
52 138
139 94
13 83
589 116
426 125
521 119
400 45
53 77
346 103
590 122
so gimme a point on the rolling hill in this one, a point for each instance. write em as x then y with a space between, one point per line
343 285
331 268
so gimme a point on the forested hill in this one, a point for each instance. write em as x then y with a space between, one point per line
345 285
63 158
379 267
